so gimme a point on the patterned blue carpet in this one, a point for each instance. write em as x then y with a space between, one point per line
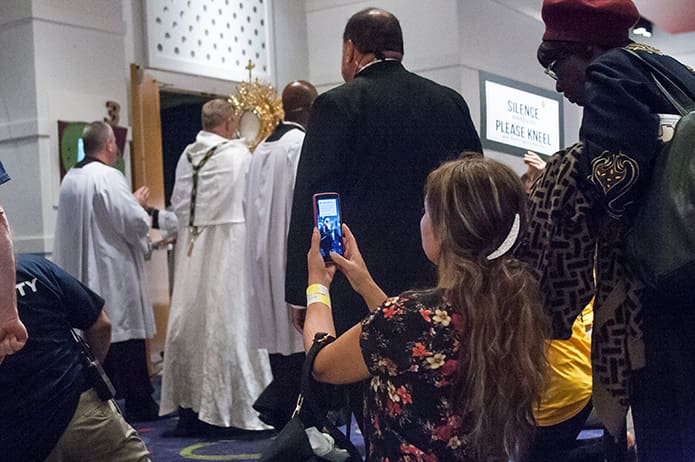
223 449
182 449
179 449
185 449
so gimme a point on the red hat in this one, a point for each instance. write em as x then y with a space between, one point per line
603 22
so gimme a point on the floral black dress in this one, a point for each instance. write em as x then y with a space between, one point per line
410 345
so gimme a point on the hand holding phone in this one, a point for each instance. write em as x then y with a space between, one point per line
328 220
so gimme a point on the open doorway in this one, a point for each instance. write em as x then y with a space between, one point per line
180 121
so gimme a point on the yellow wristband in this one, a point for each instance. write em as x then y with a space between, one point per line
318 298
317 289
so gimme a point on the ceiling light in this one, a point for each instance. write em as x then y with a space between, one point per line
643 28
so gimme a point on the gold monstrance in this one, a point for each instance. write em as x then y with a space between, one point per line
260 109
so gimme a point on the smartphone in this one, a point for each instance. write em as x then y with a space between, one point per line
328 220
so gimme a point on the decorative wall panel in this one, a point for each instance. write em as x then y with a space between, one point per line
211 38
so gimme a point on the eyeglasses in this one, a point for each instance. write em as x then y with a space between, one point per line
550 71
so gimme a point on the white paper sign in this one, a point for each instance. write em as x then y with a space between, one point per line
522 119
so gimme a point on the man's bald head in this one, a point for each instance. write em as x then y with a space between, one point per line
377 31
297 98
99 142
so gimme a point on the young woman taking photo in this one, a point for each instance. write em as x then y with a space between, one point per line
456 369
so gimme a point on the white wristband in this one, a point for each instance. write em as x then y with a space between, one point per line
318 298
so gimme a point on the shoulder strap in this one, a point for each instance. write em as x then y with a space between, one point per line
672 92
194 189
306 399
321 340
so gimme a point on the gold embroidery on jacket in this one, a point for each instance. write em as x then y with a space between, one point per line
650 49
614 174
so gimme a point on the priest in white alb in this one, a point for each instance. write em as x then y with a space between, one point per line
275 325
101 238
211 375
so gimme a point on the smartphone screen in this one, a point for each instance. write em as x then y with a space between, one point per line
329 222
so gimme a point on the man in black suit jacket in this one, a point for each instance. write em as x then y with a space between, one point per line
374 140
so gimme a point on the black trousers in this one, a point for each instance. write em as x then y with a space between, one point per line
277 402
559 443
126 366
663 392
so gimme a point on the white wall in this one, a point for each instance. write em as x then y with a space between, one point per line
19 140
60 60
290 42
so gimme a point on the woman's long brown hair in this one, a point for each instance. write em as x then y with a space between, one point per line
472 203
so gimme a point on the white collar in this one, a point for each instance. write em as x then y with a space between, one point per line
372 62
299 126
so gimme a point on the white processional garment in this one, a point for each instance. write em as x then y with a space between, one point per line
101 238
267 208
208 364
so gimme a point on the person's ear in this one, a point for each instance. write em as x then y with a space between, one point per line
232 125
349 51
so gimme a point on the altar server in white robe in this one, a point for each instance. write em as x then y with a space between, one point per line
267 208
101 238
211 375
